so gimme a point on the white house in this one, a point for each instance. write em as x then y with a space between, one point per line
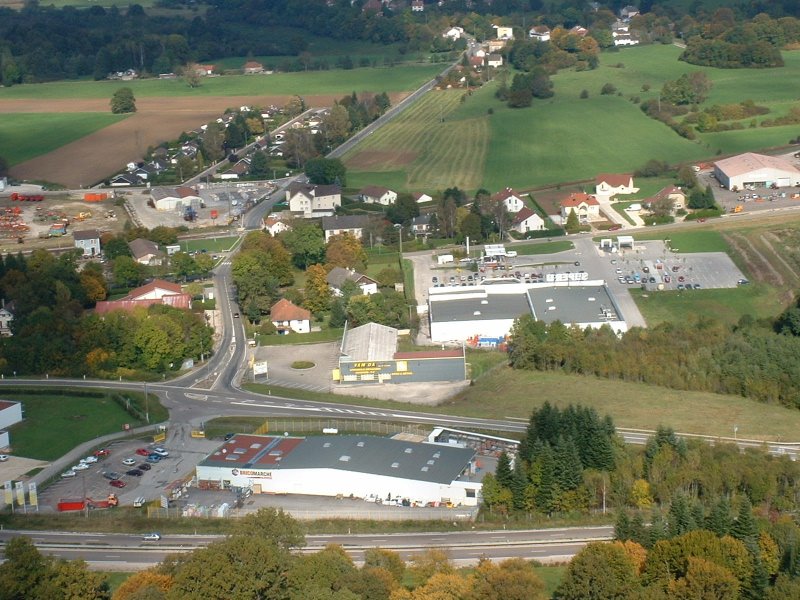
509 197
6 316
375 194
503 32
87 240
422 197
339 275
540 33
145 252
614 184
494 60
287 317
628 12
625 39
586 207
526 220
421 225
275 225
351 224
417 6
311 201
454 33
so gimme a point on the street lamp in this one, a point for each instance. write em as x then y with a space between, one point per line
399 227
146 405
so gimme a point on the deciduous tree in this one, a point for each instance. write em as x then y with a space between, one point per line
123 101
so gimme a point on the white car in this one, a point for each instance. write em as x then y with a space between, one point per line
67 474
89 460
129 462
3 457
151 537
80 467
160 451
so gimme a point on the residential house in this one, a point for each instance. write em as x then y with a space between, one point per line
157 291
494 60
252 67
586 207
454 33
375 194
579 31
493 46
421 225
124 180
339 275
417 6
352 224
6 316
628 12
673 193
526 220
625 39
311 201
204 70
145 252
503 32
87 240
275 225
172 198
509 197
288 317
613 184
540 33
420 198
240 169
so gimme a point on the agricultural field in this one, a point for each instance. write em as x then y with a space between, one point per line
24 136
568 139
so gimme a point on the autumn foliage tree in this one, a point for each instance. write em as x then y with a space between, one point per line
345 250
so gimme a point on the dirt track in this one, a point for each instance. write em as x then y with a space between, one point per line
97 156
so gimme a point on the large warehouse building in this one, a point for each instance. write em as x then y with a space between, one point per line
489 310
369 354
344 465
757 170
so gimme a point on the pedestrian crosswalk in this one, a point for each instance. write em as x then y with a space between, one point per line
297 385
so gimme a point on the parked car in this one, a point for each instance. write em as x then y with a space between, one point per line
80 467
117 483
102 452
151 537
111 475
143 467
153 458
697 286
235 315
3 457
142 451
680 286
89 460
134 473
69 473
742 282
160 451
129 462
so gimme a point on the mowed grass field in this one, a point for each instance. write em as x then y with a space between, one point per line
26 135
425 147
566 138
388 79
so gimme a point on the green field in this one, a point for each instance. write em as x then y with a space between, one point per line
701 240
565 138
542 248
389 79
55 424
26 135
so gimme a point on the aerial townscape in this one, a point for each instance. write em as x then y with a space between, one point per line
399 300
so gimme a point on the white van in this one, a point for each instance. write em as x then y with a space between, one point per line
139 502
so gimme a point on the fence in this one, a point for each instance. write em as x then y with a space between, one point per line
350 425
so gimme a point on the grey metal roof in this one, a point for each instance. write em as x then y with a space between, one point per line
345 222
489 307
370 342
573 304
380 456
86 234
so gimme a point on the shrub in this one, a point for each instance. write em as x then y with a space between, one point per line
584 94
608 89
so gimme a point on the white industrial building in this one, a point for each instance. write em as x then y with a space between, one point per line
10 414
488 311
358 466
756 170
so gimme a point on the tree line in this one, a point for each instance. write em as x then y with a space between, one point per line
258 560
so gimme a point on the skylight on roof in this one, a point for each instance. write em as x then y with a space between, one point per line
395 465
408 450
255 446
344 458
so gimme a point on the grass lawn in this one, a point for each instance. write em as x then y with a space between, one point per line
116 579
542 248
620 208
26 135
702 240
389 79
215 244
54 424
551 576
315 337
728 305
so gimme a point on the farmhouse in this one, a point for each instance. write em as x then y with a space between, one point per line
369 355
311 201
155 292
586 207
288 317
675 194
352 224
458 314
339 275
252 67
145 252
612 184
375 194
370 467
87 240
275 225
540 33
755 170
204 70
526 220
510 199
421 225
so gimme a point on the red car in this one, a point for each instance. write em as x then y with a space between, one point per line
102 452
143 452
117 483
615 228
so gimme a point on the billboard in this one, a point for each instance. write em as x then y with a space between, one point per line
33 496
8 493
260 368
